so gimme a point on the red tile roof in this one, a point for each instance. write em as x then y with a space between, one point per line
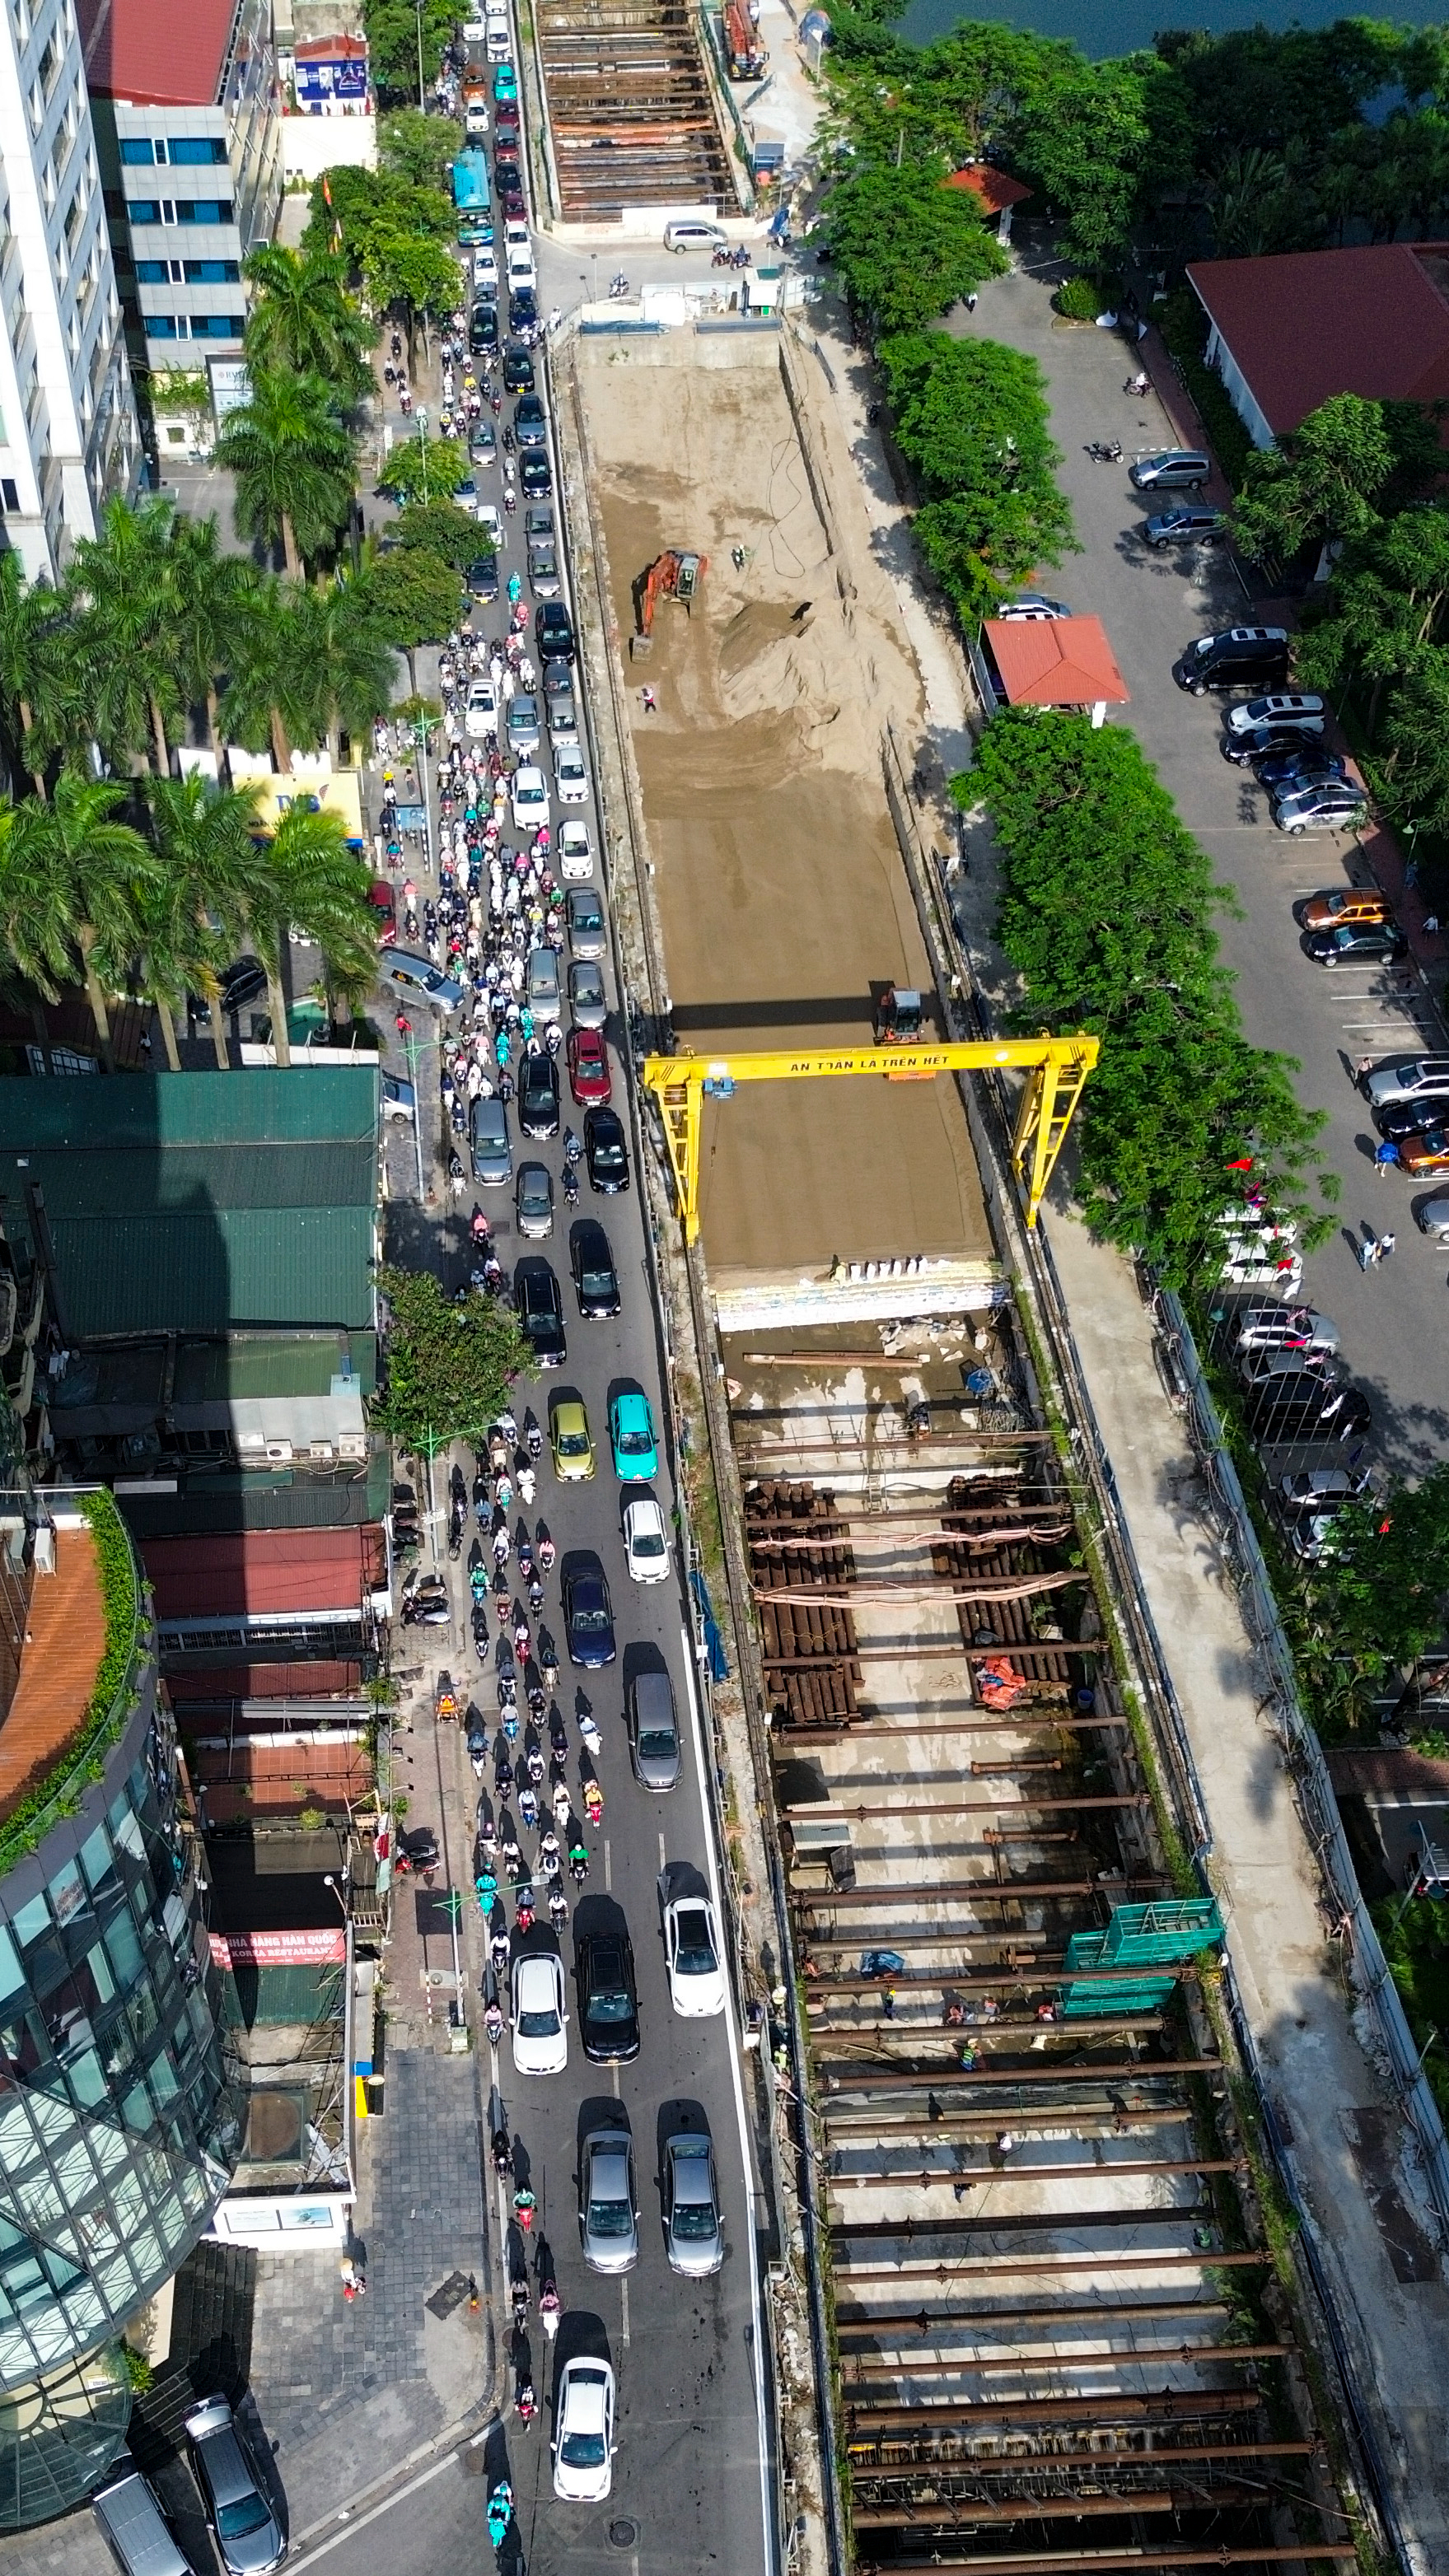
1055 661
154 54
65 1641
1390 1770
332 49
1307 324
256 1570
995 190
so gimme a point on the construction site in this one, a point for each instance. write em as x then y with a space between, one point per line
1056 2339
631 115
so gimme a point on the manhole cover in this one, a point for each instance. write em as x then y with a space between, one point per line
623 2534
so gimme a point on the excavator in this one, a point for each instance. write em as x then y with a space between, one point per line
674 575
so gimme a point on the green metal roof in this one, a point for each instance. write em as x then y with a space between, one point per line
200 1202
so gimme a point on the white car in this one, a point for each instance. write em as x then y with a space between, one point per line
480 716
570 777
540 2023
646 1540
583 2442
692 1957
575 853
528 796
475 122
1290 708
485 270
521 269
515 233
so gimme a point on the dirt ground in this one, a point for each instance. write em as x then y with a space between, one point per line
781 891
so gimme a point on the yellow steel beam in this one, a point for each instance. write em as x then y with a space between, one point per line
1058 1068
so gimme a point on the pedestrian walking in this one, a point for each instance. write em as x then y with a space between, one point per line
1386 1245
651 703
888 2003
971 301
1431 921
1386 1156
1368 1251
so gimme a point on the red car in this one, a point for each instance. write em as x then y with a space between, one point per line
590 1080
384 904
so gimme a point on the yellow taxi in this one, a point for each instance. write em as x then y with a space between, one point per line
570 1440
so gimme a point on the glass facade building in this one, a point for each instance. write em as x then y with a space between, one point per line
118 2125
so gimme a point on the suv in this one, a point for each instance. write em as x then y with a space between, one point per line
1321 805
1297 710
1183 527
689 233
1172 469
530 427
540 1313
1404 1078
1306 1406
1243 657
492 1157
653 1730
554 632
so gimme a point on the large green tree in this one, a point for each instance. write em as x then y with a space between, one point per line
906 246
1320 487
450 1363
69 875
1106 915
204 837
303 320
971 417
1385 1587
290 451
415 597
128 581
418 149
42 682
400 36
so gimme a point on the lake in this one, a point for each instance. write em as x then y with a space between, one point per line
1103 27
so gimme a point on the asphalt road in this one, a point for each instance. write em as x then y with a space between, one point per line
1392 1318
689 2424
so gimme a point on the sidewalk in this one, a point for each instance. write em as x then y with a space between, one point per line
1343 2129
347 2391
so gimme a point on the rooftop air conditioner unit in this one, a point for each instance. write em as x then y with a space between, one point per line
279 1453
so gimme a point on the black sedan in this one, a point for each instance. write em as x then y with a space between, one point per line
1413 1117
540 1313
608 1998
1355 943
605 1153
1301 765
535 475
538 1096
522 309
588 1615
483 328
517 371
596 1282
530 427
553 630
482 577
1260 740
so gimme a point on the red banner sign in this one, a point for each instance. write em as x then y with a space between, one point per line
278 1949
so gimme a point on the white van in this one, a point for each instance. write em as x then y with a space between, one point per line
134 2527
691 234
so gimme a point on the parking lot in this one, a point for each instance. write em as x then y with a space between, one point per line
1152 604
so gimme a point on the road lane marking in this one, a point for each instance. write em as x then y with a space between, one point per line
608 1867
735 2056
624 2303
359 2522
662 1859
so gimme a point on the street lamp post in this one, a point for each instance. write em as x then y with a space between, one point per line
418 6
423 442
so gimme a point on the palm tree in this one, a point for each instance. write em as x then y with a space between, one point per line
69 875
203 836
303 318
293 462
128 581
39 672
306 878
214 593
336 670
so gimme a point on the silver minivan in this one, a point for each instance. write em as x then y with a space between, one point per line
134 2528
1172 469
608 2216
687 232
522 724
541 983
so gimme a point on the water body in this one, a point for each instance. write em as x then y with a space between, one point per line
1104 27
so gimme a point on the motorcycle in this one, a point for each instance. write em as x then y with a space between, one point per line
546 1549
532 1441
1105 451
480 1632
500 2502
570 1186
1138 385
493 2026
558 1908
558 1741
589 1732
477 1750
618 287
550 2307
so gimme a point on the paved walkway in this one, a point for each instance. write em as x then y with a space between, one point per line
351 2391
1335 2109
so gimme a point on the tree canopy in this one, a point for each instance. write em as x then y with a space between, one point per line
397 34
971 417
907 248
415 597
1385 1585
449 1363
1106 915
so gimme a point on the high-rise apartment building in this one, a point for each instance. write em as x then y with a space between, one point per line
68 430
118 2127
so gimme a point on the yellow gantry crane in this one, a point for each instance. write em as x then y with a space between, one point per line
1058 1069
